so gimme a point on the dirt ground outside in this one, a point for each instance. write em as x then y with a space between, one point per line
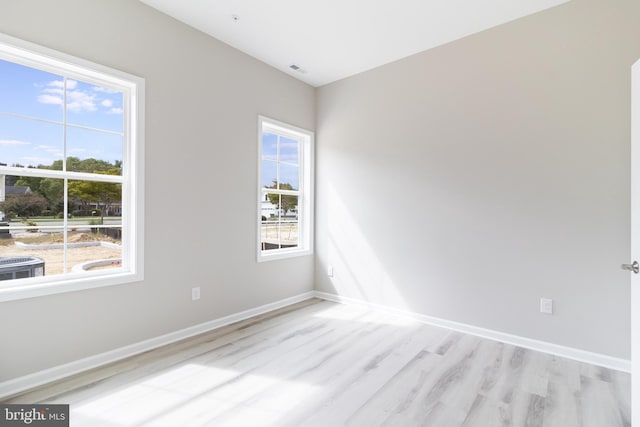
285 233
54 258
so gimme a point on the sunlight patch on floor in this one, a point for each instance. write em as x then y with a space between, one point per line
195 394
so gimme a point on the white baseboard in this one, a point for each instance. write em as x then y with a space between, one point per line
546 347
20 384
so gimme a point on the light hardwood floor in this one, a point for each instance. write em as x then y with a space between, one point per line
323 364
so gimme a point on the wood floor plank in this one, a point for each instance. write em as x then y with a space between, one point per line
598 404
324 364
487 412
353 387
439 383
561 406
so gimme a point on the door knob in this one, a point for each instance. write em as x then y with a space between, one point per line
635 267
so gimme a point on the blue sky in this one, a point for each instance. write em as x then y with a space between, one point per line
31 92
286 164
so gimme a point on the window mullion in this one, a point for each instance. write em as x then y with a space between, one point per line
280 221
283 192
65 222
278 162
64 125
56 174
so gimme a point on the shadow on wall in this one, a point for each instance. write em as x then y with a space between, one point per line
357 271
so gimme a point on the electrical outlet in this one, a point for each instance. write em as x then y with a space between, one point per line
546 306
195 293
330 271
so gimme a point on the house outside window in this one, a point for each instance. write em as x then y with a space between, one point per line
285 205
71 170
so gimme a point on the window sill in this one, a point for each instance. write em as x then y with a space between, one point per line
283 254
27 288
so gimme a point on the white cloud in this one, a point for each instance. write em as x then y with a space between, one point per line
50 99
4 142
107 103
56 83
115 110
77 100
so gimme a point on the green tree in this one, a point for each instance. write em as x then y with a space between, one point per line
285 202
104 194
89 165
24 205
53 191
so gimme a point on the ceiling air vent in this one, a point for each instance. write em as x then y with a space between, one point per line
297 68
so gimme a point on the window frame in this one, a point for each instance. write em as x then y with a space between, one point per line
132 178
305 192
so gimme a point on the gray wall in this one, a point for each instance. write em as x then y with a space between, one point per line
470 180
203 100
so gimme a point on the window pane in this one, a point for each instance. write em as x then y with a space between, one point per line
279 229
92 246
270 235
269 174
289 178
97 220
94 151
268 210
27 142
100 202
30 92
289 231
31 241
269 146
289 150
289 207
29 197
271 204
94 106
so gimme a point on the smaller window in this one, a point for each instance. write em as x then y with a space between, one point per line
285 182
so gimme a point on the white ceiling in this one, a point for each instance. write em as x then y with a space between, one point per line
333 39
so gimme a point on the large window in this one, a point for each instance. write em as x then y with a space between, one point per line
71 138
285 205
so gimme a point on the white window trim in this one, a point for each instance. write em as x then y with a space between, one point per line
36 56
305 203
